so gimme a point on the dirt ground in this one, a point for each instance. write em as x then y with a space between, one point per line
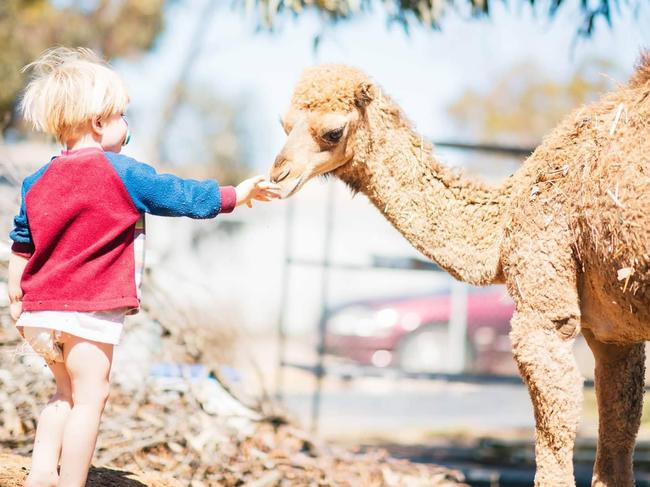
15 469
197 431
392 473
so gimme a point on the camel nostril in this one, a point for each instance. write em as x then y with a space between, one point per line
280 160
282 176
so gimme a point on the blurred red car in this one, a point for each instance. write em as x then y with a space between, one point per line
413 333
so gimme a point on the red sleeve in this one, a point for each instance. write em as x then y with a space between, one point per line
228 199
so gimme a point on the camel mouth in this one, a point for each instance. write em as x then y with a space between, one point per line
282 177
294 189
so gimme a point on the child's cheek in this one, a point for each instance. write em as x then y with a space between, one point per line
117 137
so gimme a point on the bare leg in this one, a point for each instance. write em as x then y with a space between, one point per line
89 365
620 375
547 365
49 432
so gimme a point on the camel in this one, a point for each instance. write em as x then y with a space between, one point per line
568 233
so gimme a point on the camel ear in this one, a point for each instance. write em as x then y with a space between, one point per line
363 94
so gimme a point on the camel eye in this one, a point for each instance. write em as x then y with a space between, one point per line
333 136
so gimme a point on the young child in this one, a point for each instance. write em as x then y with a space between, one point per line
73 271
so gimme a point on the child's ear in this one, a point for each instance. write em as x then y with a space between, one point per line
97 125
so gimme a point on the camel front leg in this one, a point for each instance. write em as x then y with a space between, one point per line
620 376
545 360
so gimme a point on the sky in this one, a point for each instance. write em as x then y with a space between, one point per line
423 71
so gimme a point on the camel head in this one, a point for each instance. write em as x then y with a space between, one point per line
323 122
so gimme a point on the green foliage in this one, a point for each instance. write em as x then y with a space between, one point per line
431 12
28 27
524 105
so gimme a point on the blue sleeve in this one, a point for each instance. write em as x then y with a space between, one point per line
21 235
166 194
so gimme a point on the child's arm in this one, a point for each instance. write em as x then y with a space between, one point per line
21 251
17 263
170 195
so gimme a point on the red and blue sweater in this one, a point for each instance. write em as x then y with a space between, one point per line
77 225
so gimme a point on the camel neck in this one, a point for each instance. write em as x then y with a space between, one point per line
453 221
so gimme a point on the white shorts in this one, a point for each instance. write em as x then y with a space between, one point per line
44 328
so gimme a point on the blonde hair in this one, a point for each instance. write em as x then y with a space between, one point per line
68 88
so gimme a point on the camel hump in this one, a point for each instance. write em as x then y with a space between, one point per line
642 72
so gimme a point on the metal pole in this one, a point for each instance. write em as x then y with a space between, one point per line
284 299
458 326
493 148
322 325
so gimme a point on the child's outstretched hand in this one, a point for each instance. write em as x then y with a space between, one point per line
256 188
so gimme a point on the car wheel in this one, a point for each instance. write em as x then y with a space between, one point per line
427 350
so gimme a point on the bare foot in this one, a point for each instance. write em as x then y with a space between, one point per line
41 479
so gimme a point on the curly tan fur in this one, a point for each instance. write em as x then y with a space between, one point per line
569 233
337 95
